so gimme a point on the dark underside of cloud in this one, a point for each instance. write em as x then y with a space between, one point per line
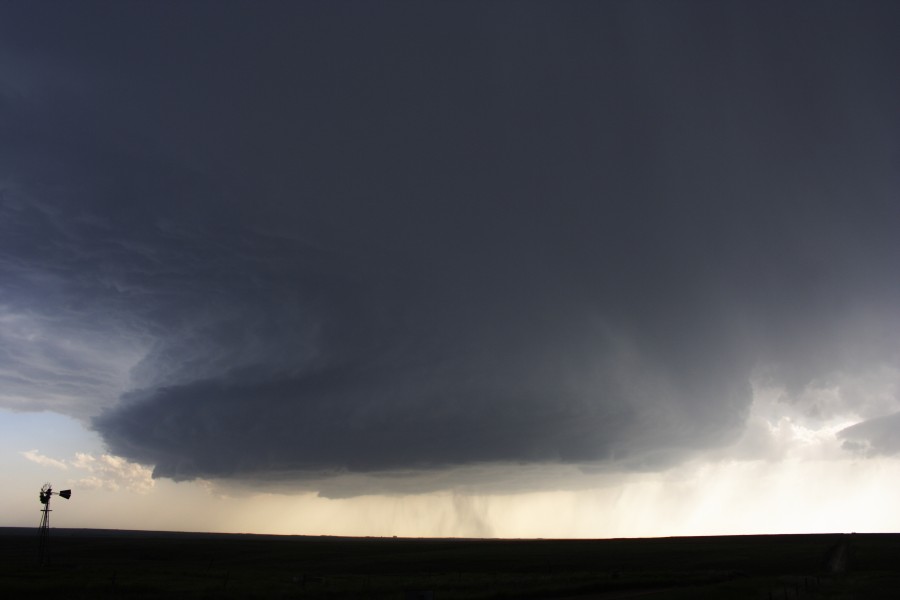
880 435
381 238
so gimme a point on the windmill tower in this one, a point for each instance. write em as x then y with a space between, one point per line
44 542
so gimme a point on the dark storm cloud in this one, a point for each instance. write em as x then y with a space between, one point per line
382 237
873 436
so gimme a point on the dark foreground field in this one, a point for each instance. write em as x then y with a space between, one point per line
111 564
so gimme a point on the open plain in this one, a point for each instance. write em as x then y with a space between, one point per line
138 564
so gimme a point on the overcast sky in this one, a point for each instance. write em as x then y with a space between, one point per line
411 250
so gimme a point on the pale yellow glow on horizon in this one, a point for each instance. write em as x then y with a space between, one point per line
725 499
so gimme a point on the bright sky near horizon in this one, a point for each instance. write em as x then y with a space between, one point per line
811 487
478 269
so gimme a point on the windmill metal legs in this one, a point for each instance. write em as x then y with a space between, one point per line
44 541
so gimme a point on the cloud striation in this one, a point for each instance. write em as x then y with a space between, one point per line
304 240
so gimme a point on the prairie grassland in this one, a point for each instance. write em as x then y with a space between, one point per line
104 564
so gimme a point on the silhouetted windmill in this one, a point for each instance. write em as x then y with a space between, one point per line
46 492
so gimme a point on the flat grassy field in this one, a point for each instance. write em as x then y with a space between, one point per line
131 564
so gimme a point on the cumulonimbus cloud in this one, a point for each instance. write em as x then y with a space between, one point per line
393 262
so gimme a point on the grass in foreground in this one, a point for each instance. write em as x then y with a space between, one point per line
97 564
